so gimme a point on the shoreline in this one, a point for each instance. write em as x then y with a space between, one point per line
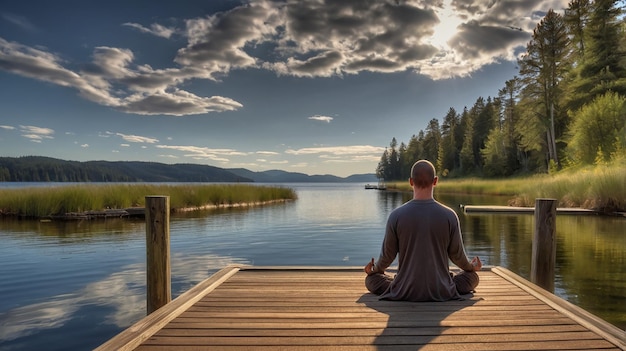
137 212
122 200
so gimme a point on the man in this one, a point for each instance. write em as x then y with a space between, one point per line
424 234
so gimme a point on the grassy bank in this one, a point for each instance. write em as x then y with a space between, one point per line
600 188
51 201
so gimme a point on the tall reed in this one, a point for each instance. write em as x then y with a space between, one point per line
59 200
601 187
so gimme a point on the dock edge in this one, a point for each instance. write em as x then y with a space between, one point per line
139 332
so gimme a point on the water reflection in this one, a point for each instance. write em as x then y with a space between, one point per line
81 282
590 262
591 250
120 297
71 232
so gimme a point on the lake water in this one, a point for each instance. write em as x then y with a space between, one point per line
73 285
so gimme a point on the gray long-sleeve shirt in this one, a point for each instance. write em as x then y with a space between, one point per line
424 234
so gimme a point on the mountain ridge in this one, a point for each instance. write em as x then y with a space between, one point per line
48 169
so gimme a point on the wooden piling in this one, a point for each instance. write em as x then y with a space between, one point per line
158 271
544 244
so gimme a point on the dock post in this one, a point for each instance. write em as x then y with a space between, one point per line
158 279
544 244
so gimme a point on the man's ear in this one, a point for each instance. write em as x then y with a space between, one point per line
435 181
411 181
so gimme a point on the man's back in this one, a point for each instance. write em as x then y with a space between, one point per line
423 233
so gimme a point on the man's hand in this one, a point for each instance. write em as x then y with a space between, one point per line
369 267
476 264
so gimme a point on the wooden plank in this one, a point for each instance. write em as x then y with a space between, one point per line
359 314
280 309
132 337
358 308
434 330
586 319
575 345
297 340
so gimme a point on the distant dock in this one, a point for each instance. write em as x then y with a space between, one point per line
379 186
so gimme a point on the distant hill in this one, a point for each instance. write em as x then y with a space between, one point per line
47 169
277 176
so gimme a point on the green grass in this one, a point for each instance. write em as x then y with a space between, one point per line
601 188
598 187
476 186
51 201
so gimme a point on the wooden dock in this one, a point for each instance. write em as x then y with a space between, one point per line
519 210
322 308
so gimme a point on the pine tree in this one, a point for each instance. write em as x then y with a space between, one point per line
466 156
603 67
450 148
576 19
542 69
432 140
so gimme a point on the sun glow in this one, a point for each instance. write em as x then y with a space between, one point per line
447 27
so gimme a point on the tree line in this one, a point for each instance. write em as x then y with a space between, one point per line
46 169
566 106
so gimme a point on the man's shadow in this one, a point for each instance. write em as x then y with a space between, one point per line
412 325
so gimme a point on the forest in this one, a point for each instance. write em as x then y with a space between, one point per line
46 169
566 107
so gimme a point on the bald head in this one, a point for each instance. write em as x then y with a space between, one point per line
423 174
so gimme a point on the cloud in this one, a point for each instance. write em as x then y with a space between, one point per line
7 127
299 165
321 118
36 134
347 37
217 43
155 29
308 38
339 150
169 156
340 154
135 138
19 21
112 80
475 41
204 153
352 158
177 103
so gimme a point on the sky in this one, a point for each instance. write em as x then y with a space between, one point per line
311 86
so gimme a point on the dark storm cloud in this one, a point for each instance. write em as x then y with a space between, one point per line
370 35
474 40
216 43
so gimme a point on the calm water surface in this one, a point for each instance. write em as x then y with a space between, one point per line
73 285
